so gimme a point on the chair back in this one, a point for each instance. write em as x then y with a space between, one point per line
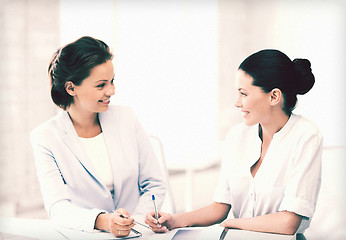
169 203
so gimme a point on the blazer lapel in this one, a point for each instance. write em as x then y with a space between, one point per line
110 129
71 139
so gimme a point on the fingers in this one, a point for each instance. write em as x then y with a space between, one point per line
161 229
119 224
120 233
157 225
164 217
123 212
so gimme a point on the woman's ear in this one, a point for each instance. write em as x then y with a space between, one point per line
275 96
70 88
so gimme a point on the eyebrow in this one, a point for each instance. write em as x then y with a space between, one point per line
105 80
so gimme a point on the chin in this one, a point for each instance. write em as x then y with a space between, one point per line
249 122
101 110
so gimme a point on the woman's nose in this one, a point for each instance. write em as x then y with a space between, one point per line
111 90
238 103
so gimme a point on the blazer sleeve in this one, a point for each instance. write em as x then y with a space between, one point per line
53 188
50 178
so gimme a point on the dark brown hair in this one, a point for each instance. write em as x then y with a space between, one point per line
273 69
74 62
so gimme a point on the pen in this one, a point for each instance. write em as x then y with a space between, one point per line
156 216
120 215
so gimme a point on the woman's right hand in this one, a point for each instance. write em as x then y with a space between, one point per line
163 224
118 223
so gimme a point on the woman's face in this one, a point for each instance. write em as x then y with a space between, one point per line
253 102
94 93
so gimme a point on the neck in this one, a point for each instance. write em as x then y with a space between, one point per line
82 119
276 123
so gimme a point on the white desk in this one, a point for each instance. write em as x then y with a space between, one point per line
44 229
30 228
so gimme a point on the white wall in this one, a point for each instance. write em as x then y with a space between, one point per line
28 38
80 18
166 69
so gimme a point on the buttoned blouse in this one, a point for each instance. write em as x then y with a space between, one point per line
289 177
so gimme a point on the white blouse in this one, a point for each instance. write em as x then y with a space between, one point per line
96 150
289 177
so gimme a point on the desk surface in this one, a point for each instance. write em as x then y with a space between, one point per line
17 228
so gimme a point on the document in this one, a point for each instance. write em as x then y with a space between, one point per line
214 233
95 235
207 233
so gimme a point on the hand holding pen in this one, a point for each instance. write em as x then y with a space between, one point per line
163 224
158 221
120 223
120 215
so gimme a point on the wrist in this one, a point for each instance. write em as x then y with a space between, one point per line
179 221
102 221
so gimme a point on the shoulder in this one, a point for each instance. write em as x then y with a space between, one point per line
303 131
48 125
45 130
305 126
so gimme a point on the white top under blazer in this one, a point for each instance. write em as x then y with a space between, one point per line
97 152
67 177
289 177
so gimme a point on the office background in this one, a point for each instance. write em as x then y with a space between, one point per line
175 63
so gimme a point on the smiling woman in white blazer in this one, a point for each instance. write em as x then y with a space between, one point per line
93 159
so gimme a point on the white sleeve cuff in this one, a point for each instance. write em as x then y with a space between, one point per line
222 196
298 206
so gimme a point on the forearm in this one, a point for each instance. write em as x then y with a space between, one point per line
281 222
211 214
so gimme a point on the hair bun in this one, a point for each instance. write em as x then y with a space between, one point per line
305 78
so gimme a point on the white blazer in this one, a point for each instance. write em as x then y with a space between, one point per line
65 173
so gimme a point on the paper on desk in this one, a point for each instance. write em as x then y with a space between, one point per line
95 235
201 233
214 232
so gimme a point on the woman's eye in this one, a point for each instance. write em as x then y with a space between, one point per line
100 85
112 81
243 94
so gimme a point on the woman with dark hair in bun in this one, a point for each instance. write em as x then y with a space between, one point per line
271 170
95 163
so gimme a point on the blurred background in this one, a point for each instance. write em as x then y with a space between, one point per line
175 63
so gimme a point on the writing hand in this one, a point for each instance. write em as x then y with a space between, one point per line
163 224
120 223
